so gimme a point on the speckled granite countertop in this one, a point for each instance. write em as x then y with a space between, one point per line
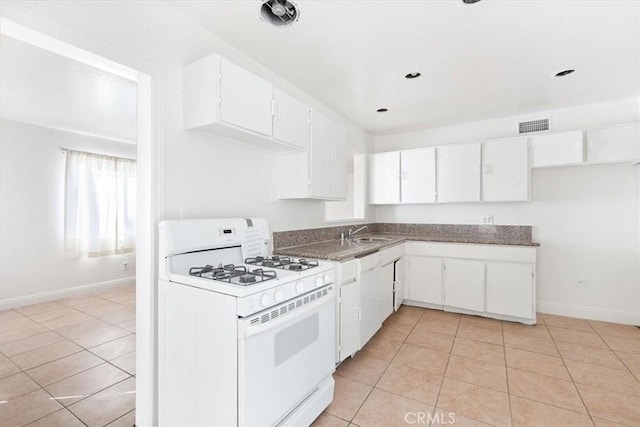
337 250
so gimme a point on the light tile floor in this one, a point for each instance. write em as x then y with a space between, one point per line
69 362
561 372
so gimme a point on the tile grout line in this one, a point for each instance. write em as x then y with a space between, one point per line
506 372
435 405
572 380
614 353
83 348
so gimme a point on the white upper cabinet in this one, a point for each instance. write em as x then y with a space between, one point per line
614 144
321 171
418 175
505 170
291 120
245 99
338 165
384 178
459 173
223 99
558 149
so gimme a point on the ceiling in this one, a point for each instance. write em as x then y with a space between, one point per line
46 89
480 61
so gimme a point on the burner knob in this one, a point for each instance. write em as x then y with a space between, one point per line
265 300
319 281
279 296
327 279
300 287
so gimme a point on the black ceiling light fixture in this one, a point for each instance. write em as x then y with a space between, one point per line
382 110
564 73
470 1
279 12
412 75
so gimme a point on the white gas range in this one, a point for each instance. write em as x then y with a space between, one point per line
245 338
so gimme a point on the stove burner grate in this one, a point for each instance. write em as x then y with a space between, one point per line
237 275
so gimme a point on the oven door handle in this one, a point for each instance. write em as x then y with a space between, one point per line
246 330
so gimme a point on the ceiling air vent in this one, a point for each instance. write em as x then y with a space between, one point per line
279 12
534 126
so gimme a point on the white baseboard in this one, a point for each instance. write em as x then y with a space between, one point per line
8 303
590 313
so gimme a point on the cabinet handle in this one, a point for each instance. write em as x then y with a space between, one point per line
359 312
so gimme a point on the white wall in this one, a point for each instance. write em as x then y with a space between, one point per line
32 261
51 90
586 218
203 176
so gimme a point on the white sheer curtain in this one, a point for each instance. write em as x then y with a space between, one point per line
100 205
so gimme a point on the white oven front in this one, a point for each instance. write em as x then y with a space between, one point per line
284 353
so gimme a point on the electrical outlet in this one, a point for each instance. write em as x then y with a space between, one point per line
486 220
125 265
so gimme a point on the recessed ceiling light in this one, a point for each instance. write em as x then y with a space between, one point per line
564 73
412 75
470 1
382 110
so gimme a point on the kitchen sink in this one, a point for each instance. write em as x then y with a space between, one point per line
373 239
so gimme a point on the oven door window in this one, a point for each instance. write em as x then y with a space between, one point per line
280 365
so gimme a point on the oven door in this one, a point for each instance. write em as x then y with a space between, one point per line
283 357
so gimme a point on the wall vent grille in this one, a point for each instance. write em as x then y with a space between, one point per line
534 126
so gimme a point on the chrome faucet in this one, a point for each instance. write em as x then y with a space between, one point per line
351 233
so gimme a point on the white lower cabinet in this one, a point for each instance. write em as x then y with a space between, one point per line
350 315
486 280
464 284
510 289
387 288
424 279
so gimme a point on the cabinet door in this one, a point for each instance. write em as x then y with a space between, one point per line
349 319
320 156
505 170
245 99
399 280
459 173
464 284
387 290
614 144
510 289
384 178
424 279
291 120
418 176
339 164
557 149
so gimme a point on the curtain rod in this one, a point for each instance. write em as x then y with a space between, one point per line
65 150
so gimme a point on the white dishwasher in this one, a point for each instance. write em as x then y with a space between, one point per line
372 313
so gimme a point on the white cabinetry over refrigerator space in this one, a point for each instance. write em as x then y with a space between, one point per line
558 149
614 144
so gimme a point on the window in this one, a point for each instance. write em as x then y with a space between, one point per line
354 207
100 203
